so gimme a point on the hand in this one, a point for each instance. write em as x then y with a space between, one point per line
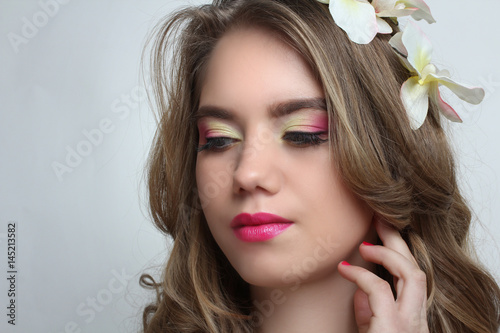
375 309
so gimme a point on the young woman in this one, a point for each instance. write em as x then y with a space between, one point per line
284 151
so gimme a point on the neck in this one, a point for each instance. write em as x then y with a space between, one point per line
324 305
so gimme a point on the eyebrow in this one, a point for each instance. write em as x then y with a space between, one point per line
276 110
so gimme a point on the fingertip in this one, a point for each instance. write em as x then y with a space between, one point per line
382 222
385 229
345 270
343 267
367 251
379 223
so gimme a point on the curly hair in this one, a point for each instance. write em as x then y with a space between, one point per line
407 177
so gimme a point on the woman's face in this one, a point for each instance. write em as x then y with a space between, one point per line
263 148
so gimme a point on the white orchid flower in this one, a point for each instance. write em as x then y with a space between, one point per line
415 50
417 9
362 20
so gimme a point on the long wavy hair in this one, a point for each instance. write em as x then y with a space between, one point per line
406 176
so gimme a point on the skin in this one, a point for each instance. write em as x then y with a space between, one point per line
296 281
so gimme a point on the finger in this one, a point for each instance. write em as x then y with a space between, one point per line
392 239
411 286
378 291
362 310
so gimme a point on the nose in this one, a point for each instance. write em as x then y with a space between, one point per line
258 167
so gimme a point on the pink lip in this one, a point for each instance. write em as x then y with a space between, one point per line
258 227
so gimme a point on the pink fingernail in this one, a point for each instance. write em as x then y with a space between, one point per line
368 244
345 263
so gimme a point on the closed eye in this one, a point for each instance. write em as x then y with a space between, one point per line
297 139
217 144
305 139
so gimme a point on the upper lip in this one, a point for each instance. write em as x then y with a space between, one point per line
246 219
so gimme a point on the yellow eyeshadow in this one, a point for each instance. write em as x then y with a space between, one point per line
217 129
308 123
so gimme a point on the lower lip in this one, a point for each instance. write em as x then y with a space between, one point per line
260 233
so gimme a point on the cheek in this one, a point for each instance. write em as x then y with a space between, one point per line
350 218
330 201
213 180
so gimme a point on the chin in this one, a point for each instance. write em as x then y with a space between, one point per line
262 272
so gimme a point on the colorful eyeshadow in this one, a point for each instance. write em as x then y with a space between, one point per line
210 128
312 122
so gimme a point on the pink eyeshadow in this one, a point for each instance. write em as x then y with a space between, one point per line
210 128
320 122
313 122
202 128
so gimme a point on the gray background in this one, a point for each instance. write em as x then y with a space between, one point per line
83 234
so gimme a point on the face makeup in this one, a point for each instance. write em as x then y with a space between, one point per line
258 227
211 128
271 196
312 121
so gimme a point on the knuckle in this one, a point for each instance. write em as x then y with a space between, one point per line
419 276
382 285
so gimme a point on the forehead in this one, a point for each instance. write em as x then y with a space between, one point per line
252 65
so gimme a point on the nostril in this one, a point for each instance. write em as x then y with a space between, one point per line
259 174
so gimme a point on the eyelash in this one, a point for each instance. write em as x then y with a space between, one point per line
305 139
213 144
296 139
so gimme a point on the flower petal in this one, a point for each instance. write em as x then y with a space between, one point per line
415 100
382 5
383 26
396 12
398 46
396 42
444 107
357 18
423 11
418 46
473 95
324 1
426 76
444 72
